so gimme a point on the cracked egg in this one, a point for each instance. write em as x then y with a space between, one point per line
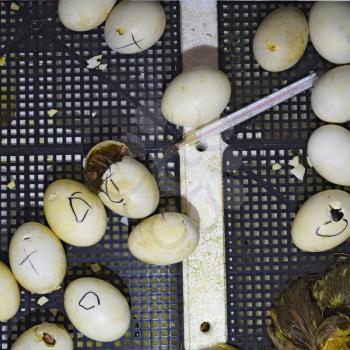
44 337
322 222
124 185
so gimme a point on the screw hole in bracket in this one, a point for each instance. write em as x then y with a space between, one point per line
205 327
201 146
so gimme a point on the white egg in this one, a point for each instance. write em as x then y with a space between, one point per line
281 39
75 215
164 239
328 150
9 292
329 24
44 336
97 309
37 258
83 15
322 222
330 98
134 26
196 97
123 184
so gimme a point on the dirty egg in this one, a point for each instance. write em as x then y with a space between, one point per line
196 97
43 337
75 214
281 39
87 299
10 295
322 222
83 15
123 184
134 26
163 239
37 258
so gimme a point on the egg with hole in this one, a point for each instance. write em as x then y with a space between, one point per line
281 39
329 23
328 151
10 295
44 336
196 97
124 185
37 258
74 213
163 239
97 309
330 98
83 15
322 222
134 26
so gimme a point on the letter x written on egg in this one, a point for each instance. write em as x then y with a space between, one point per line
27 258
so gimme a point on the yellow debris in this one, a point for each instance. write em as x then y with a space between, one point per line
14 6
2 60
52 112
11 185
95 267
42 301
41 140
53 312
276 166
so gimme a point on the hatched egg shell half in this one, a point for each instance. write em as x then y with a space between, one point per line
37 258
281 39
83 15
196 97
74 213
43 337
330 98
329 23
97 309
322 222
9 292
164 239
134 26
328 150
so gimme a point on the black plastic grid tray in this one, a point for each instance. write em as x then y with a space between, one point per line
259 202
46 69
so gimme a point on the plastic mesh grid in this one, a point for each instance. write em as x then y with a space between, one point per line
45 69
260 203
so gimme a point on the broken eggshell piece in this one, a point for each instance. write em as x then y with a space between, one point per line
43 337
74 213
322 222
163 239
134 26
37 258
9 293
97 309
123 184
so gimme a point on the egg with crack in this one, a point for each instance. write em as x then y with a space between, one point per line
97 309
322 222
281 39
37 258
134 26
44 336
124 185
83 15
10 295
196 97
75 214
163 239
